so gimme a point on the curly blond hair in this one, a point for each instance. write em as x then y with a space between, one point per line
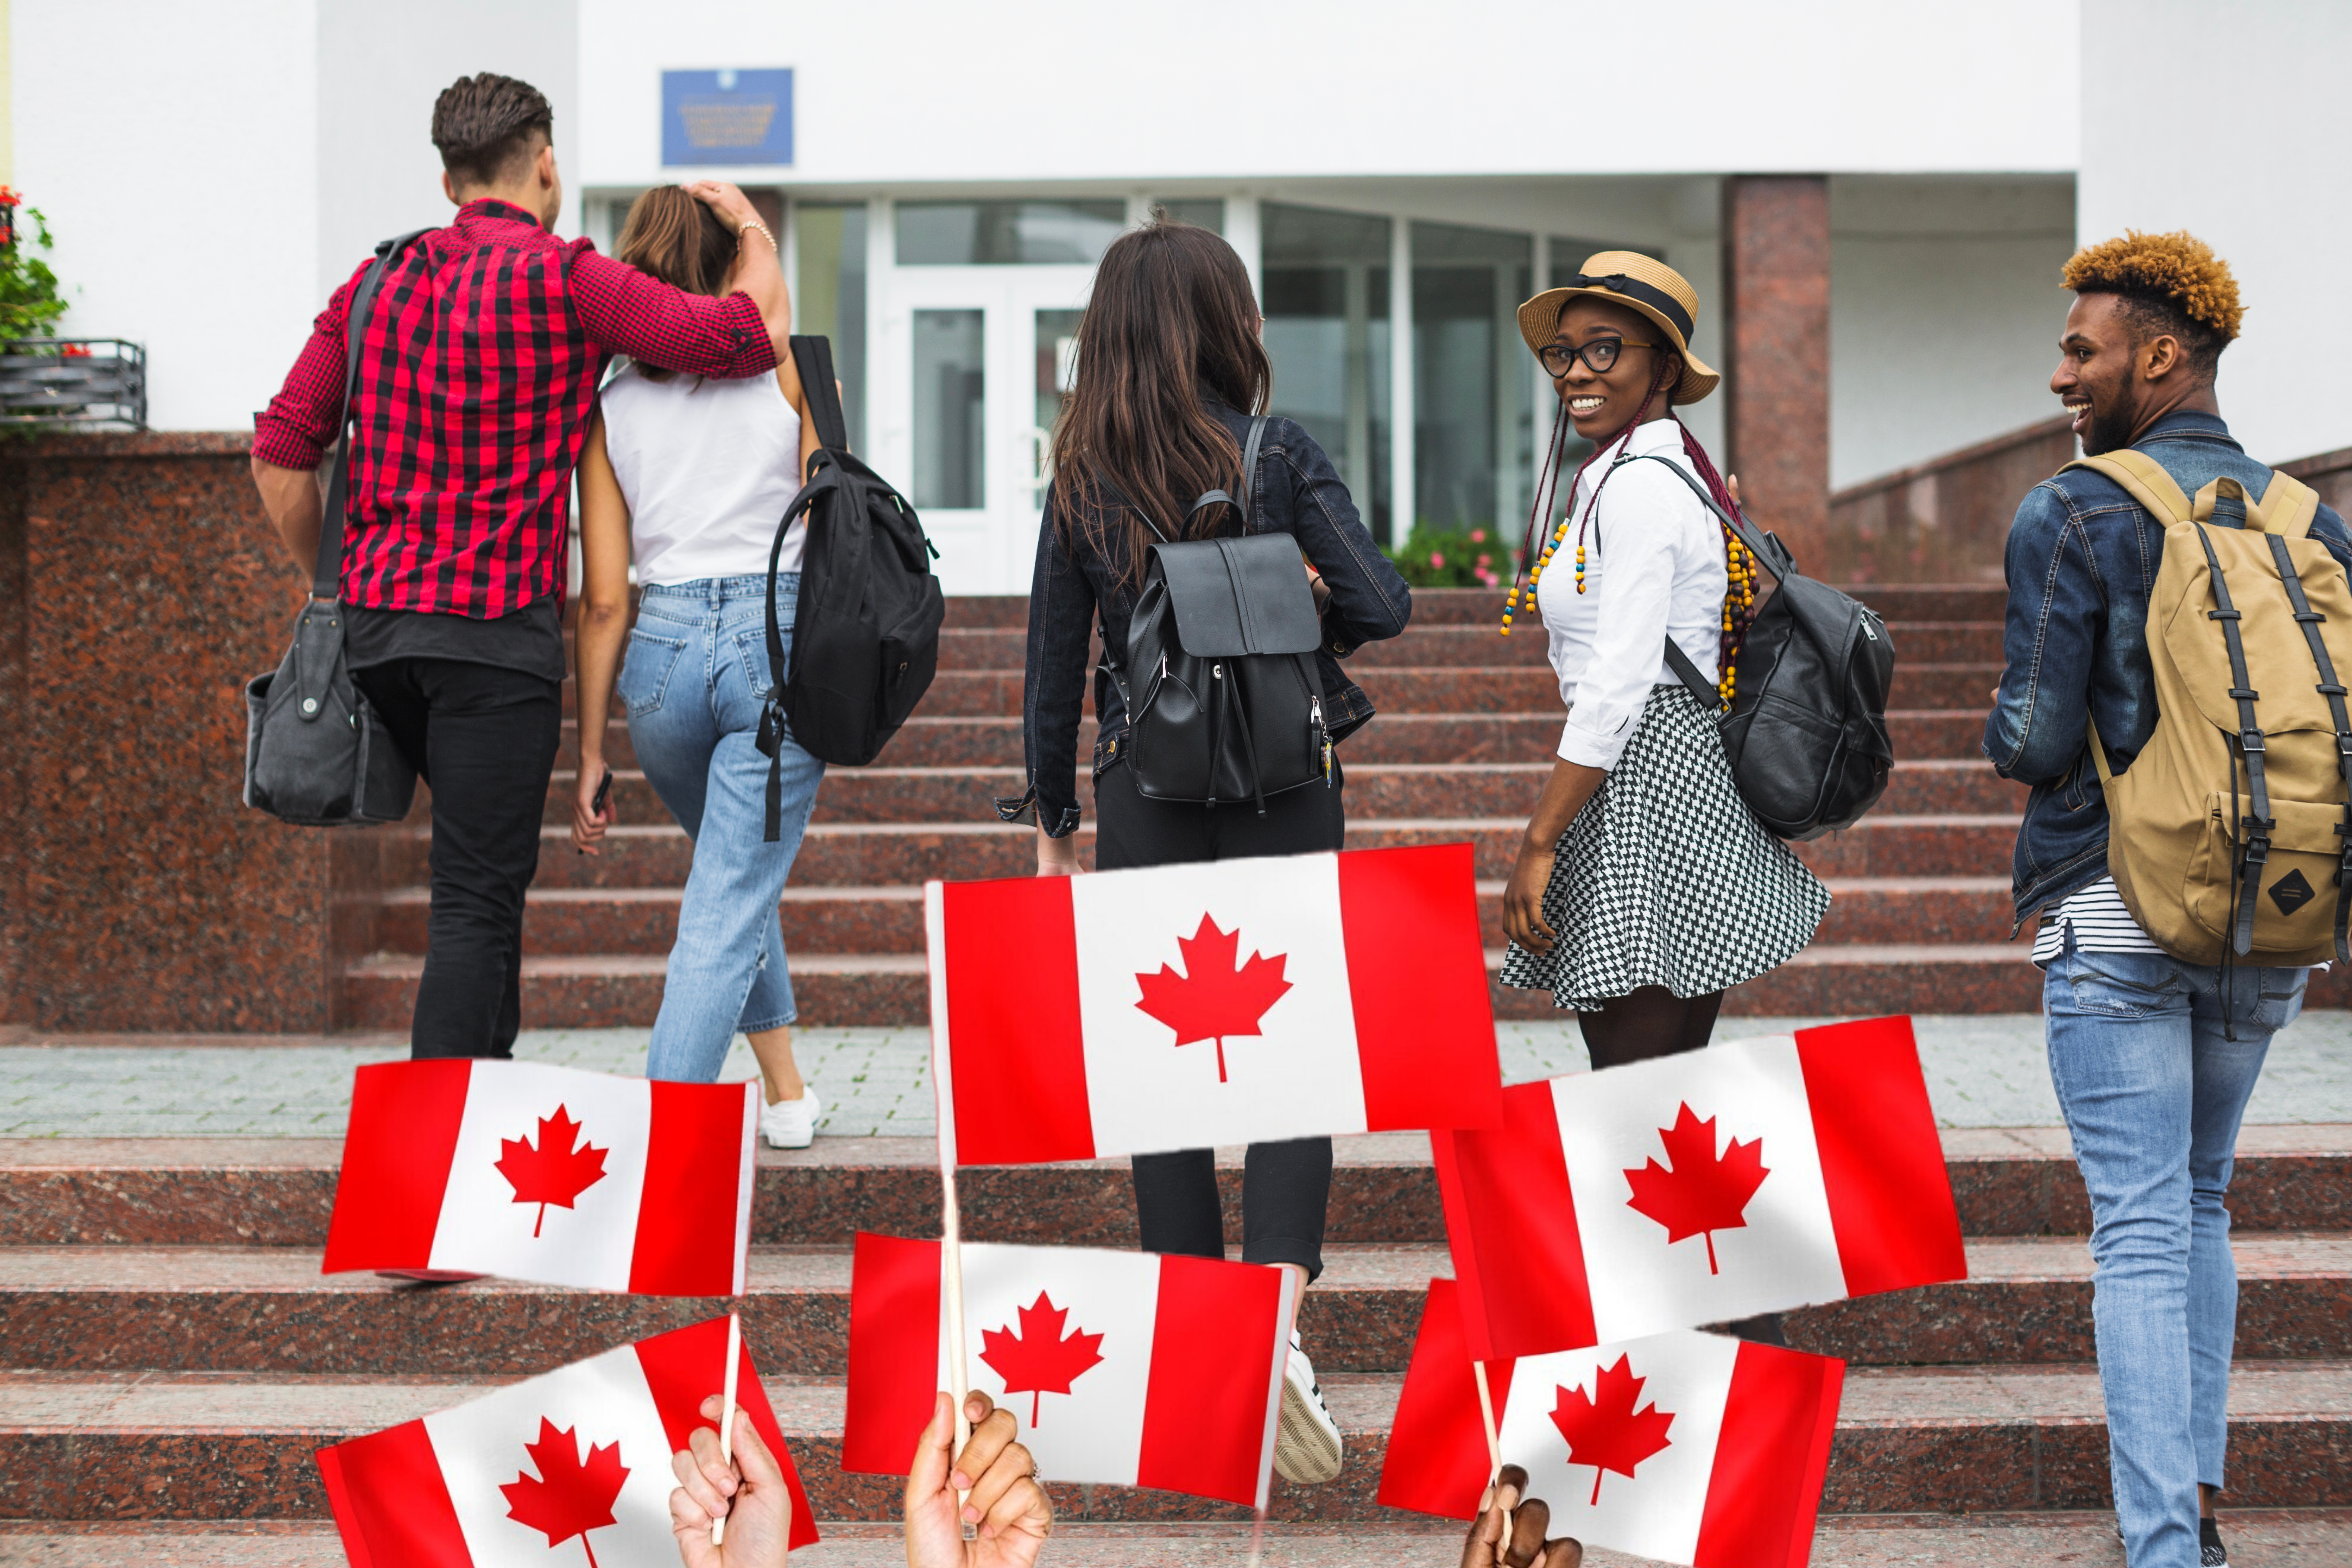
2173 281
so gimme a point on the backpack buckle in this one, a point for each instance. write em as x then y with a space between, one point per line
2250 743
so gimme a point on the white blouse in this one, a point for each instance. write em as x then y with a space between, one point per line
1654 567
708 469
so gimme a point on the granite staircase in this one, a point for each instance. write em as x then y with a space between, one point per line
178 1356
1466 727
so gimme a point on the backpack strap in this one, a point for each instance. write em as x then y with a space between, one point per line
2143 478
2255 851
2288 508
813 357
326 581
2332 688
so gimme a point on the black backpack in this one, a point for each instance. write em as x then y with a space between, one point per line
865 638
1806 734
1226 704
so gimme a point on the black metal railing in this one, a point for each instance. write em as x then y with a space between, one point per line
68 382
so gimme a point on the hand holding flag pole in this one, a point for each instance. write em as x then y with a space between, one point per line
951 1294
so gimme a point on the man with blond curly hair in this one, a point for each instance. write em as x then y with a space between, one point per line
2153 1058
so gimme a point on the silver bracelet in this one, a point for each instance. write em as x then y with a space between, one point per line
750 223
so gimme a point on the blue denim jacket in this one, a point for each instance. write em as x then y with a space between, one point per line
2081 562
1299 493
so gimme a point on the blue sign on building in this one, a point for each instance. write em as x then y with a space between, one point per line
726 117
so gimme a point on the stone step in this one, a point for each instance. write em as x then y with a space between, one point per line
130 1446
276 1192
2257 1537
819 919
189 1308
1947 642
593 990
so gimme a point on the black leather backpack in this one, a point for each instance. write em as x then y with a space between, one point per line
1223 698
865 636
1806 734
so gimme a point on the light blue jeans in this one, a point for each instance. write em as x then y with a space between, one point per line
696 664
2153 1091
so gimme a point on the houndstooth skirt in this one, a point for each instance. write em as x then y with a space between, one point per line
1666 878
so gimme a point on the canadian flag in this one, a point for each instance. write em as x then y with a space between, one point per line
572 1466
1744 1178
1687 1447
1225 1002
547 1173
1126 1368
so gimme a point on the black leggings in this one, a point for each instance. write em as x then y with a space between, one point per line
1652 1020
1285 1187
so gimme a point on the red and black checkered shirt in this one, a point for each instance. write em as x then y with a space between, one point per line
477 380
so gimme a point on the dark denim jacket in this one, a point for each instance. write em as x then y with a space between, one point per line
1299 493
2081 562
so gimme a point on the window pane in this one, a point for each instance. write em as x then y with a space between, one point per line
965 233
1473 444
1326 331
1207 211
950 390
829 299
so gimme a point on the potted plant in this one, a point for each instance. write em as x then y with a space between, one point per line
47 380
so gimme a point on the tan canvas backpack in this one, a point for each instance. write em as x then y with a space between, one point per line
2231 834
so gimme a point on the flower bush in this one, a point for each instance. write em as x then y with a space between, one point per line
1452 558
29 302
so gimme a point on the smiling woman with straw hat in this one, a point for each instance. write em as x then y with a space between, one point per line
1644 888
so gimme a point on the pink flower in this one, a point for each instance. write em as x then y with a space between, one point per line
1484 561
1477 536
1436 559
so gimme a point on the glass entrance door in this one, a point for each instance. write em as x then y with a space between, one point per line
972 365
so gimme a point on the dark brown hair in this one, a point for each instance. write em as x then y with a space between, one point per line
1171 322
486 125
677 239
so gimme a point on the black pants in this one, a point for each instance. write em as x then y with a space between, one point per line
1285 1186
484 739
1652 1020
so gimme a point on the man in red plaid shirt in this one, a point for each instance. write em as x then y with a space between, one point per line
478 369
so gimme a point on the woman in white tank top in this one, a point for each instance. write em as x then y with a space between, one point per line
689 479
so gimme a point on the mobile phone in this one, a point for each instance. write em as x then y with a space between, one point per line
604 793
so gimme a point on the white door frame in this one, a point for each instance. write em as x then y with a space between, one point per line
988 549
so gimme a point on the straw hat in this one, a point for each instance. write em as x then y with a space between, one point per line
1641 282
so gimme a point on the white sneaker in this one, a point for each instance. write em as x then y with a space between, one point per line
1307 1446
791 1123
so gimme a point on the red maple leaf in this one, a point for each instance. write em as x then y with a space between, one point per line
553 1172
1703 1193
1038 1360
1218 996
1604 1430
566 1498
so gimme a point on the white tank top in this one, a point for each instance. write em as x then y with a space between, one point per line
708 468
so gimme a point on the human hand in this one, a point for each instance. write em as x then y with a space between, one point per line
1488 1546
1320 588
1731 483
1523 915
749 1494
1006 1501
1057 856
733 207
588 824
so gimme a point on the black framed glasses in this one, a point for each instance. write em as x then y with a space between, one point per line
1600 355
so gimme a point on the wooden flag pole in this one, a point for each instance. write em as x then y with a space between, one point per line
726 1413
951 1268
1494 1438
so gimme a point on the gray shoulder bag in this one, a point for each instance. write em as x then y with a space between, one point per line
315 753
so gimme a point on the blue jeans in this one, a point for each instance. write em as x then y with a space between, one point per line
696 664
2153 1091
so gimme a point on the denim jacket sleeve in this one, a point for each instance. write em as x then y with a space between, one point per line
2036 731
1061 624
1370 602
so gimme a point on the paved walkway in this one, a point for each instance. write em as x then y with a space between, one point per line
1982 1071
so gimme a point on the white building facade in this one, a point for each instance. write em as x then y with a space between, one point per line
1395 181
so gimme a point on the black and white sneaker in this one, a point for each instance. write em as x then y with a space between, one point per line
2210 1552
1307 1444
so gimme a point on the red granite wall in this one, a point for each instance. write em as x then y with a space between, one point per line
1776 290
139 587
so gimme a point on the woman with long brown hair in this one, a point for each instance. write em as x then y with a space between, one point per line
690 477
1170 373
